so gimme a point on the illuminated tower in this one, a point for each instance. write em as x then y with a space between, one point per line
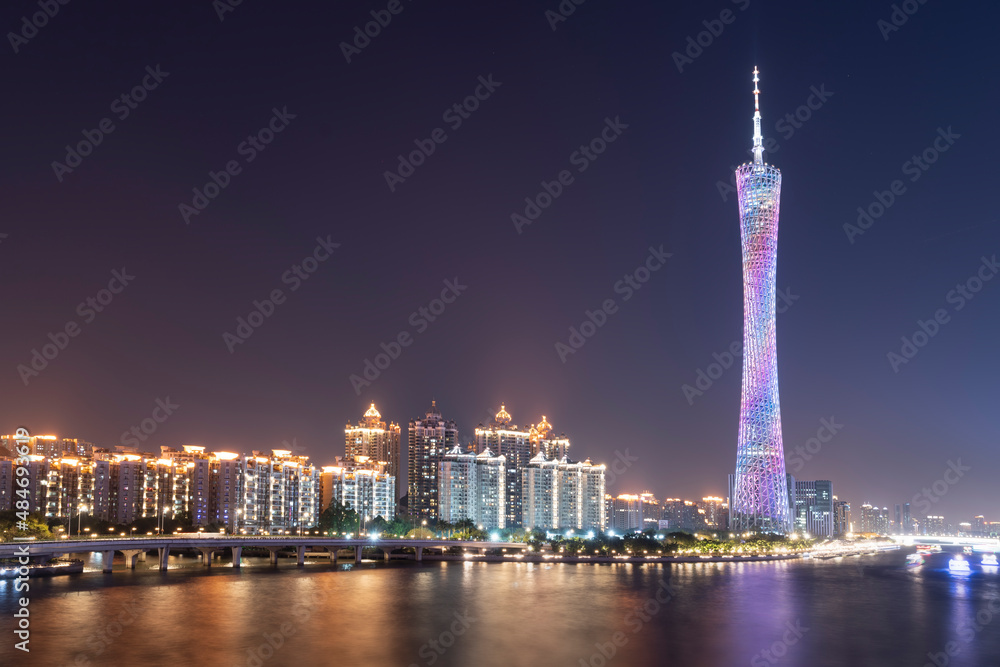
761 493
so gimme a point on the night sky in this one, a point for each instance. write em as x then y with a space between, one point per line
850 296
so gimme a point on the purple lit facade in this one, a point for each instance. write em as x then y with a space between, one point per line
760 501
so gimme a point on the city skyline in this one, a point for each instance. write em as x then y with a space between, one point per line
846 132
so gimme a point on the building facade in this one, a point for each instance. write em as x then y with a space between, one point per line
430 439
372 438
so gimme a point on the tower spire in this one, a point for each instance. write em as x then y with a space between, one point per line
758 140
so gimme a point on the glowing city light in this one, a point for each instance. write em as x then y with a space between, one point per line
761 493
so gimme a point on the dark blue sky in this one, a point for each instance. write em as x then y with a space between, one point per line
656 184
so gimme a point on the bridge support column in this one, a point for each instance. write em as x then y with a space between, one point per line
274 556
164 552
333 555
107 557
420 553
206 554
300 552
131 555
142 556
357 554
237 554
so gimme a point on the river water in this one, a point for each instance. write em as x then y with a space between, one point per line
856 611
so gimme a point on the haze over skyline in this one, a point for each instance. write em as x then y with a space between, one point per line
319 189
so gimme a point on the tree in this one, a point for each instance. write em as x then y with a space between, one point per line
338 518
35 526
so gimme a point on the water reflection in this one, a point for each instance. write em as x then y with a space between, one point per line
486 614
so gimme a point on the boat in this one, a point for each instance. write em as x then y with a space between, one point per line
990 560
915 559
959 564
12 570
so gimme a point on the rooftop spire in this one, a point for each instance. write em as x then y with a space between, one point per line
758 147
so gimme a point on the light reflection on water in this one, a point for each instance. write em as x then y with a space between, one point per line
872 610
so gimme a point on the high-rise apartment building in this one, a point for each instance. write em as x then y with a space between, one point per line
430 439
372 438
563 495
361 484
473 486
505 439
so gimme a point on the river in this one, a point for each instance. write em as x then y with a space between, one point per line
857 611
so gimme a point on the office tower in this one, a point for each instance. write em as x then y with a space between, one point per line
934 525
372 438
505 439
814 510
429 439
979 526
361 484
897 526
907 521
761 502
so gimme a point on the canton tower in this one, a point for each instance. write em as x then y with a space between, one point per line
760 502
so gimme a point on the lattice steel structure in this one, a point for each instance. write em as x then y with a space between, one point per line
761 491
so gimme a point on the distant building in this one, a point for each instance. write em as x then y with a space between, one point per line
934 525
372 438
841 517
430 439
814 512
683 515
716 513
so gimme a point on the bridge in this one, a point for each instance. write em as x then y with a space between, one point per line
981 543
136 548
